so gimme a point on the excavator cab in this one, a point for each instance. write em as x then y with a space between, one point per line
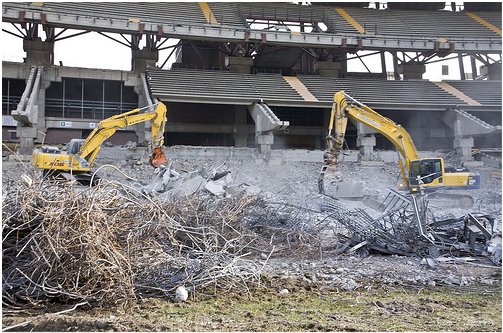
426 172
74 146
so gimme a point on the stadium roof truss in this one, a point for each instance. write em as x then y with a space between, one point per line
132 19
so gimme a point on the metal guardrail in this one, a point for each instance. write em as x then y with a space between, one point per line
84 109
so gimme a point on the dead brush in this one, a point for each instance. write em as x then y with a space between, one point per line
111 244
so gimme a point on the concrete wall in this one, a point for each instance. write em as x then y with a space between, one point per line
56 136
61 136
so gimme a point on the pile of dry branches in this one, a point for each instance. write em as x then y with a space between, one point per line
111 244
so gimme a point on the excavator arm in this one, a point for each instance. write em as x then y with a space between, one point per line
107 127
344 107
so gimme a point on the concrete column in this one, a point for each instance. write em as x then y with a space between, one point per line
461 67
411 70
264 143
240 128
38 52
143 59
26 135
493 71
366 144
463 147
240 64
142 130
328 68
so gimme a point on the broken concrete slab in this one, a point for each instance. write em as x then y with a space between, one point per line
184 189
214 188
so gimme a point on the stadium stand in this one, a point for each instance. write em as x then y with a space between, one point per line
484 92
288 13
383 92
227 13
158 12
211 85
418 22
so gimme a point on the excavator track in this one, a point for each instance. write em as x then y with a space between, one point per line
451 200
83 178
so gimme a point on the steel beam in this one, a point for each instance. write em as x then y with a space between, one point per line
222 33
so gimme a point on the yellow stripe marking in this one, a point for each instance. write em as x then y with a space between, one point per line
350 20
459 94
484 22
208 14
298 86
296 33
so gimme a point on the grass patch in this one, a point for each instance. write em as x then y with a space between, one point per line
438 309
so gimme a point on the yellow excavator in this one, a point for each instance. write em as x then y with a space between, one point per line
418 174
78 159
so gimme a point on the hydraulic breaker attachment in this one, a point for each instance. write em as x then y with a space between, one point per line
158 158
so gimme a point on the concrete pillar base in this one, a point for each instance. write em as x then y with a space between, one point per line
411 71
38 52
143 59
366 145
26 139
240 64
493 71
463 147
143 135
328 68
264 144
265 152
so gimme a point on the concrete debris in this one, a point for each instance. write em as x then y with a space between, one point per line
170 184
181 294
430 262
284 292
131 145
214 188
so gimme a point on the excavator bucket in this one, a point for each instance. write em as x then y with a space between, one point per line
158 158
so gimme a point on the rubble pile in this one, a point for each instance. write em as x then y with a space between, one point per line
212 225
114 242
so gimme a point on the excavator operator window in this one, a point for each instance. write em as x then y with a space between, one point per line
425 171
74 146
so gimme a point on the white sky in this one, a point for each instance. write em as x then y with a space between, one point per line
95 51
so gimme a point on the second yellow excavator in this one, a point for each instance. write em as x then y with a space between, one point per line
78 159
417 173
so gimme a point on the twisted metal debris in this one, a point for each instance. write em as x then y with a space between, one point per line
406 226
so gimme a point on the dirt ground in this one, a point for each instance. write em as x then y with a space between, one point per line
307 291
